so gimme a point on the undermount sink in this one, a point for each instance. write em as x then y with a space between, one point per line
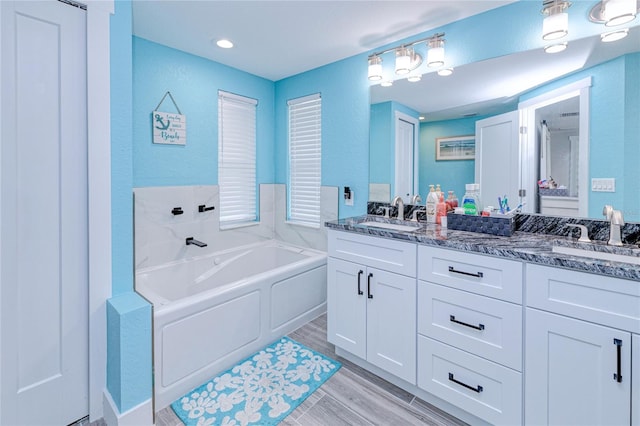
393 226
600 251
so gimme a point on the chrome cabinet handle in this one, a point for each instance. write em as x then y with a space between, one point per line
369 295
617 376
477 389
452 318
471 274
360 272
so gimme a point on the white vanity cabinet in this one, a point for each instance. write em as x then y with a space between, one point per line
470 332
580 367
371 300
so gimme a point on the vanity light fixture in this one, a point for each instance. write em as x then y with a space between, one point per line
445 72
435 54
407 59
555 48
614 35
375 68
614 12
556 21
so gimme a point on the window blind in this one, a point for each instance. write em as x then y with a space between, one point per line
236 158
305 160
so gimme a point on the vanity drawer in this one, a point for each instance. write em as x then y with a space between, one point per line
486 327
480 274
614 302
389 255
483 388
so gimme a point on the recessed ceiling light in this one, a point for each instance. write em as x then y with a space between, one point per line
387 83
224 43
445 72
422 117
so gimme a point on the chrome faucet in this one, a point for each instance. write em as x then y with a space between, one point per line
616 220
397 201
190 241
416 199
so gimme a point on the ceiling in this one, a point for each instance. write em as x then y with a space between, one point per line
278 39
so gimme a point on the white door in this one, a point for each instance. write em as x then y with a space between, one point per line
391 323
346 294
498 159
571 372
43 208
406 158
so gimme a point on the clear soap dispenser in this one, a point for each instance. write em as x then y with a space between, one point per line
432 201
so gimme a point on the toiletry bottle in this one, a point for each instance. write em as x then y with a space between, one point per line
441 209
438 191
432 201
452 201
470 200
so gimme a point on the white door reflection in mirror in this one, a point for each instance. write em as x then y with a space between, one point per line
571 100
498 159
406 157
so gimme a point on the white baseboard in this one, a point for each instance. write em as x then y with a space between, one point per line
140 415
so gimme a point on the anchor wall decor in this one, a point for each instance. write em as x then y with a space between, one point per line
169 128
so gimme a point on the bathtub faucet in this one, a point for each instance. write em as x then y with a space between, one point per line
190 241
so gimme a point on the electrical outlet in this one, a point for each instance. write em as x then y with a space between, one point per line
349 201
603 185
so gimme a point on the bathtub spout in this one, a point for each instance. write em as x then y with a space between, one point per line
190 241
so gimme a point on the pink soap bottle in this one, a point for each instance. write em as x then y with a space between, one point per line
441 209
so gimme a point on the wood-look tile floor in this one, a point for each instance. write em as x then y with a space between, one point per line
352 396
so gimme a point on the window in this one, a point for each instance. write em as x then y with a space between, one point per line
305 160
236 158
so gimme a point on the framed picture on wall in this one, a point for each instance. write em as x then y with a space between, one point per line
456 148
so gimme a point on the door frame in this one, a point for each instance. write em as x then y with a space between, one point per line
99 160
527 111
416 137
99 192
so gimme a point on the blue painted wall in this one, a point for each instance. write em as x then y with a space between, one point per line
128 367
452 175
121 157
194 83
344 89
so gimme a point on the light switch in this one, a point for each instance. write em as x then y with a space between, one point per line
603 185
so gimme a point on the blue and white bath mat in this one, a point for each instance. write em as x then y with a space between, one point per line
261 390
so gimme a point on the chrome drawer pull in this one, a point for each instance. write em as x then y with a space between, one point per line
618 375
476 389
369 295
471 274
452 318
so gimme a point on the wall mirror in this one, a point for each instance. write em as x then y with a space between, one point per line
452 105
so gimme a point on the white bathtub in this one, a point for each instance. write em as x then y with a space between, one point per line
212 311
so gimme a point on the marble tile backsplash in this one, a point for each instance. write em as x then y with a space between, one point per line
160 236
538 223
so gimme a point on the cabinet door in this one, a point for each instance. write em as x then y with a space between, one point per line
571 372
391 323
346 307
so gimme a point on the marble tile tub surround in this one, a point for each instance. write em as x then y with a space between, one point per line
539 224
159 235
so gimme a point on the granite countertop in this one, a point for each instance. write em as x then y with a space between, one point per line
526 246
